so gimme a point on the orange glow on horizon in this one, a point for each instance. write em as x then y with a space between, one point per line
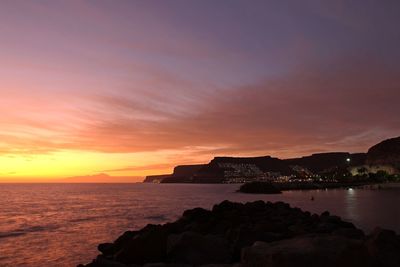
62 164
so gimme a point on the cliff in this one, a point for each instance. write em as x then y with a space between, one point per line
181 174
155 178
186 170
264 164
385 153
243 169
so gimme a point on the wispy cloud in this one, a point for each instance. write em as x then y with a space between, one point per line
197 78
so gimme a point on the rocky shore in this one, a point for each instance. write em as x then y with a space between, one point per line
252 234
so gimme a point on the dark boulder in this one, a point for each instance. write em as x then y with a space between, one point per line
106 248
245 236
146 247
353 233
196 249
163 264
101 261
226 206
124 239
259 188
384 246
196 214
307 251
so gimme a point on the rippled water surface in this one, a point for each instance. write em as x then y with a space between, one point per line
61 224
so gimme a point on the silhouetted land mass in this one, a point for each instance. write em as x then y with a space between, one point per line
385 153
259 188
156 178
252 234
318 163
381 163
181 172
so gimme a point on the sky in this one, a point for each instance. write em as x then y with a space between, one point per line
132 88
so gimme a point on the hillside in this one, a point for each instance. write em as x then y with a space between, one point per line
385 153
330 165
181 174
317 163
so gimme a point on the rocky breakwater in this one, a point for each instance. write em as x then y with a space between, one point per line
252 234
259 188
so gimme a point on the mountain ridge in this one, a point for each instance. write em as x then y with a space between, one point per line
238 169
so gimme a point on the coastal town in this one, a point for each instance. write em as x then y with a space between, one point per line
377 165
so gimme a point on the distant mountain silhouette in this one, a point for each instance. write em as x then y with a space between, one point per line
221 168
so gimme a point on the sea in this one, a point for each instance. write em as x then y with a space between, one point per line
62 224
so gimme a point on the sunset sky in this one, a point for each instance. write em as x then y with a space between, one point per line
131 88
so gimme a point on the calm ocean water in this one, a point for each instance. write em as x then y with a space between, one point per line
61 224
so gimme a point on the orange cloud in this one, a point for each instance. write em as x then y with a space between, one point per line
141 87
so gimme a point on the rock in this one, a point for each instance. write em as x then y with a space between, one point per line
226 206
256 205
330 223
196 214
384 246
282 206
245 236
350 233
326 227
386 152
100 261
325 214
259 188
106 248
231 232
337 221
298 229
124 239
196 249
162 264
308 251
146 247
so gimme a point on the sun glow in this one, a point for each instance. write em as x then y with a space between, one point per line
61 164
